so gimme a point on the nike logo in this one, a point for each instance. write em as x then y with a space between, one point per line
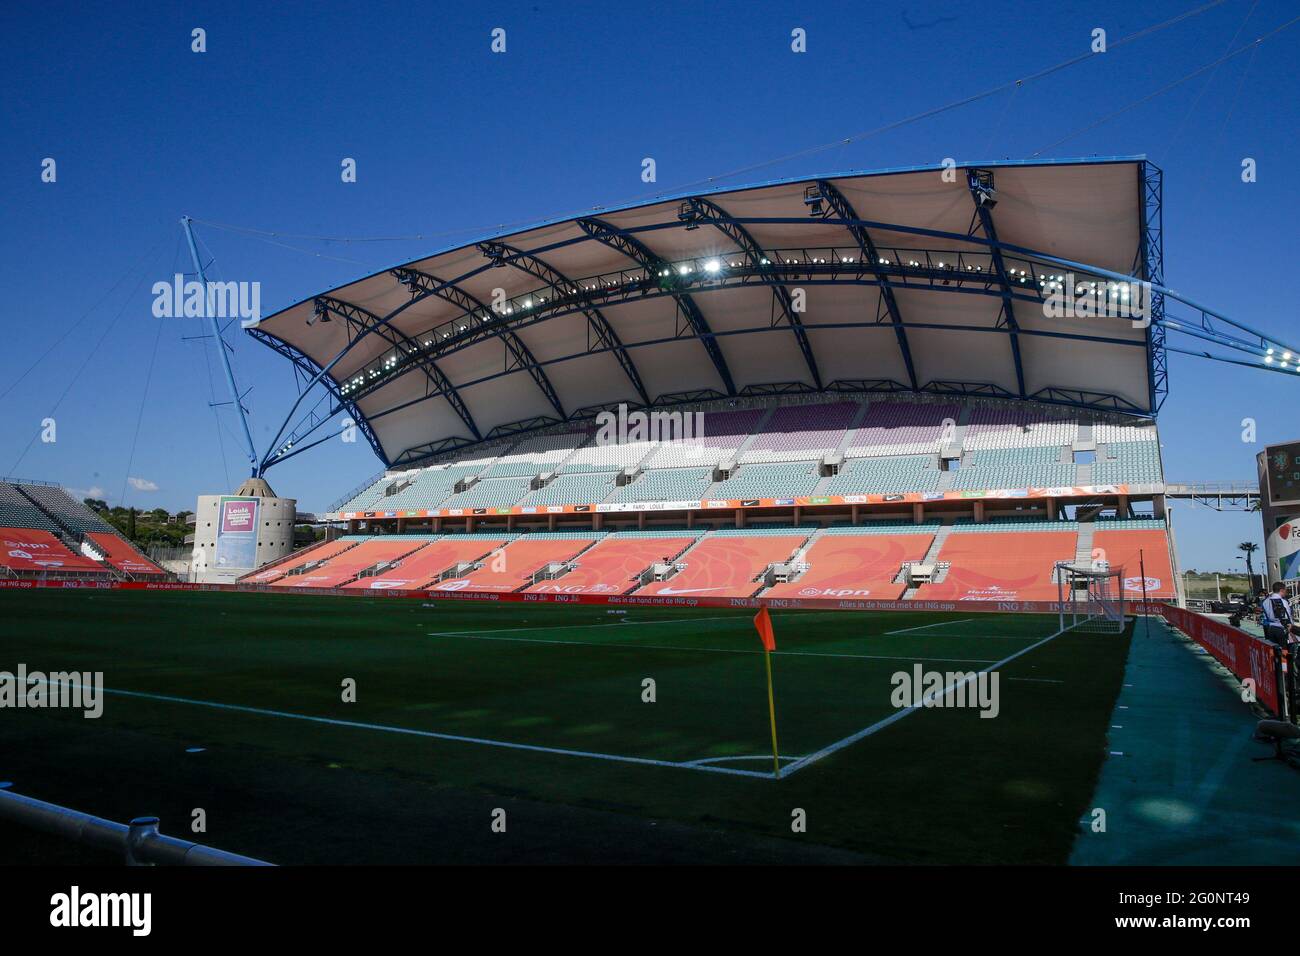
686 590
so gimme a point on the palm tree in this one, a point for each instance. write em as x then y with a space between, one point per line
1249 548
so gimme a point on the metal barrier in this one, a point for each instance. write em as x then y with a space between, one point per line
139 843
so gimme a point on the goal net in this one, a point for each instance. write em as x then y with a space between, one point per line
1091 598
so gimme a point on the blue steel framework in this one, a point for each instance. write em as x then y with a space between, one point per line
984 273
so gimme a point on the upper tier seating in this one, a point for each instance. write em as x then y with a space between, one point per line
319 551
801 432
490 493
422 568
726 563
1012 427
1133 462
122 555
513 568
67 511
858 563
1002 562
612 456
346 565
1005 446
615 564
1132 545
666 484
885 475
16 511
35 550
774 480
724 432
535 456
902 428
584 488
1103 433
1015 468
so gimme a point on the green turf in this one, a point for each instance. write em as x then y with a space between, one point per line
938 786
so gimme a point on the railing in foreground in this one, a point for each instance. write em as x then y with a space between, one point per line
139 843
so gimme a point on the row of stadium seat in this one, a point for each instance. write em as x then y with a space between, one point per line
35 552
1007 561
1006 446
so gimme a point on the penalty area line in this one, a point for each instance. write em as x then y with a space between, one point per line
907 630
910 709
410 731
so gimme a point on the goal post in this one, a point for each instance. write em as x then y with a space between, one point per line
1091 599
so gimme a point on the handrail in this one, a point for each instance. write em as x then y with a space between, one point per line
140 843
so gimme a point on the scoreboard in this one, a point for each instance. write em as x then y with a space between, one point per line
1282 470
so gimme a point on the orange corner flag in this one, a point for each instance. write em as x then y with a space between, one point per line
763 624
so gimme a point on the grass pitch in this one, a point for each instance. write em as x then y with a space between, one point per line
234 703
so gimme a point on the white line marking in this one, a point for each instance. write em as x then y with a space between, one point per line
386 728
708 760
1038 680
922 627
895 717
711 650
582 627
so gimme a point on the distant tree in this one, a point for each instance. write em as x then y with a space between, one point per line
1249 548
159 514
95 504
130 524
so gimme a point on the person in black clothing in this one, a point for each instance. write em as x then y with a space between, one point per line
1276 616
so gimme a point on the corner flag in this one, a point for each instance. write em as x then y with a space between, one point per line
763 624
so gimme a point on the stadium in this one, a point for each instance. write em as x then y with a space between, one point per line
819 520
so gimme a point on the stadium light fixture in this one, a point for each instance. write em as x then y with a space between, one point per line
813 199
689 214
981 187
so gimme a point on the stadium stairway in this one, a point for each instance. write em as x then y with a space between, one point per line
931 555
1083 551
617 563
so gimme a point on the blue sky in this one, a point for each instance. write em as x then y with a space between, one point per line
451 140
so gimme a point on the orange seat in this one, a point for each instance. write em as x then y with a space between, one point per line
726 566
613 566
1131 550
26 549
418 570
855 566
346 565
121 555
515 565
1001 566
315 552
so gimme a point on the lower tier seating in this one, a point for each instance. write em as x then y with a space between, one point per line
320 551
422 568
25 550
1001 565
121 555
346 565
512 568
727 564
856 565
614 566
1132 549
